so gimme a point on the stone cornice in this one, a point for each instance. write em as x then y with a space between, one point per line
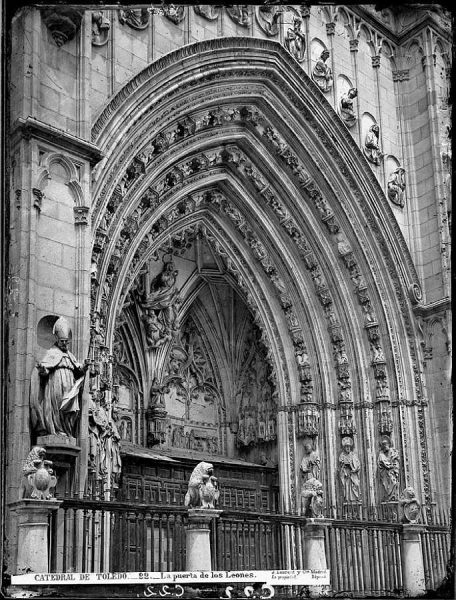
428 310
67 142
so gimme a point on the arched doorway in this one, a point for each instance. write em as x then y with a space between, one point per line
230 187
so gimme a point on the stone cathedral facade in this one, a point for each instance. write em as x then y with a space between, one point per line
237 219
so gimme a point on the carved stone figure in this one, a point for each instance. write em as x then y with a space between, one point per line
371 145
63 22
347 114
137 18
388 469
203 489
160 307
295 40
54 398
100 28
39 477
239 13
267 18
112 460
174 13
322 73
396 187
312 498
156 414
98 421
208 11
349 467
310 464
411 508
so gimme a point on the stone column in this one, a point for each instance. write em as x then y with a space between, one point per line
314 549
33 526
198 538
412 559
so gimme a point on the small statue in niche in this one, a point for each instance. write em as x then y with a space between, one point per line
295 40
54 399
100 28
322 73
312 498
110 439
349 467
347 114
239 13
137 18
388 469
203 490
411 508
39 477
396 187
372 146
310 464
98 422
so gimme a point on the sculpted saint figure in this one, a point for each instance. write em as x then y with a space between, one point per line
322 73
295 40
312 498
54 400
388 469
347 114
349 467
396 186
160 306
371 145
310 464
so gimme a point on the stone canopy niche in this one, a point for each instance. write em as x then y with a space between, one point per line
201 381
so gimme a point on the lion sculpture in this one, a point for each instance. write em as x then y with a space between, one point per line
203 489
38 477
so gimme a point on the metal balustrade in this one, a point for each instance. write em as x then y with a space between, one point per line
364 557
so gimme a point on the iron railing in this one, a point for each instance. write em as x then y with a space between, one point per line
364 557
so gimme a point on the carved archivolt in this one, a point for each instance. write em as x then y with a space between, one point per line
128 190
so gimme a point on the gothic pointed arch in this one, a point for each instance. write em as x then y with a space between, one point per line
227 148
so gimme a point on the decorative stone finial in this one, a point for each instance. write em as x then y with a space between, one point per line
203 489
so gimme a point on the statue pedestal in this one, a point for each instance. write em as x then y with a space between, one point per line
32 539
412 560
314 550
59 444
198 538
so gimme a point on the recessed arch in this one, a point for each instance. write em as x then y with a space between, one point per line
316 185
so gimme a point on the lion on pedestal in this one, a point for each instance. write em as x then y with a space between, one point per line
203 489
